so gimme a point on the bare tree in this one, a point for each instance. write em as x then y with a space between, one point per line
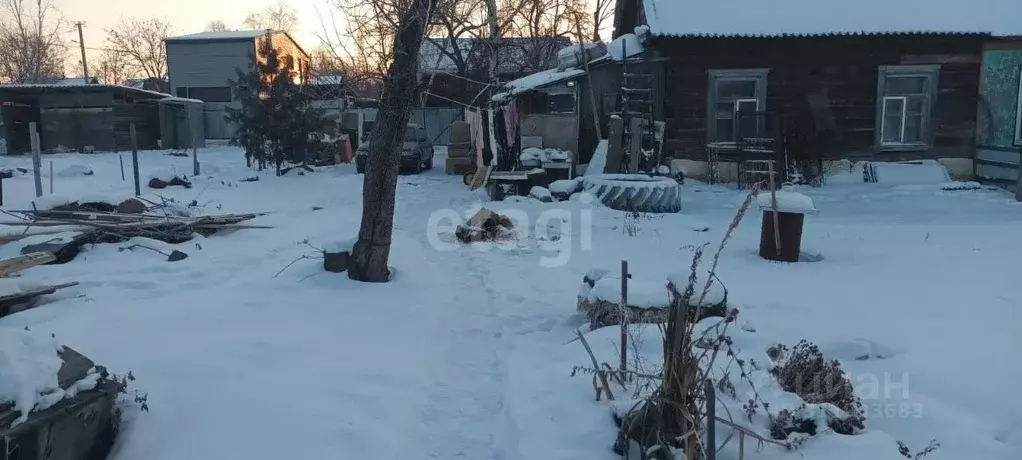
220 26
140 41
31 49
372 251
274 17
111 68
603 13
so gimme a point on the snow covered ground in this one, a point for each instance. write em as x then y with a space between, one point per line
463 355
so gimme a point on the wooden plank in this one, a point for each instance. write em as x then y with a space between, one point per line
10 301
17 264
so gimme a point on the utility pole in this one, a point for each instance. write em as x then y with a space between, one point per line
81 43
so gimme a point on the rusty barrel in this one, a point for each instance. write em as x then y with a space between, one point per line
790 229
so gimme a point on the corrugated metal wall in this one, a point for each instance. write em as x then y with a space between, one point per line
437 121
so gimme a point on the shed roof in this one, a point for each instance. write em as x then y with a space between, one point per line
54 87
765 18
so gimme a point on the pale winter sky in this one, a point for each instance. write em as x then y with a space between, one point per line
186 16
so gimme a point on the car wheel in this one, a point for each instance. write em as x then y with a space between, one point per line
418 167
429 163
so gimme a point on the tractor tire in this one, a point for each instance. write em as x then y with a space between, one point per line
636 192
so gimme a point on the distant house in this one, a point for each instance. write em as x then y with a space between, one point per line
825 80
456 67
999 139
77 81
79 117
200 65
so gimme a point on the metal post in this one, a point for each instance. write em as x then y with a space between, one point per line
624 316
36 160
51 177
121 158
1 190
195 144
711 421
134 159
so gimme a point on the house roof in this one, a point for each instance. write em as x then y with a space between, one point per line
229 35
221 35
765 18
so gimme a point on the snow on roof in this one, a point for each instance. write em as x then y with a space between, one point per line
816 17
81 86
184 100
536 80
221 35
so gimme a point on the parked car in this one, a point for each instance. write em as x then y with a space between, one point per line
416 151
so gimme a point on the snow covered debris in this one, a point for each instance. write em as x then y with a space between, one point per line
541 194
28 368
75 170
599 161
642 292
915 172
166 174
787 201
48 202
565 187
624 47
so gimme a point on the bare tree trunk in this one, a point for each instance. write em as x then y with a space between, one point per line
371 253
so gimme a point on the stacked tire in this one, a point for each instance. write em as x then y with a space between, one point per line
636 192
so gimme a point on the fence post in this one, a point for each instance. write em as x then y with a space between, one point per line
36 160
195 144
624 318
121 158
711 421
51 177
134 159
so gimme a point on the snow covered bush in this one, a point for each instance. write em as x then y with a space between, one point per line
804 371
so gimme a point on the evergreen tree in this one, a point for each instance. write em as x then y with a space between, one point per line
275 118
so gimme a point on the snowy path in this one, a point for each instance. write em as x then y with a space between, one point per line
464 413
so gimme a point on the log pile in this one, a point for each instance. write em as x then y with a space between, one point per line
605 311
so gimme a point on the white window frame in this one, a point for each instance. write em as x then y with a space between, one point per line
883 119
1018 112
931 73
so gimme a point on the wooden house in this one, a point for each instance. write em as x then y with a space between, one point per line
883 80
